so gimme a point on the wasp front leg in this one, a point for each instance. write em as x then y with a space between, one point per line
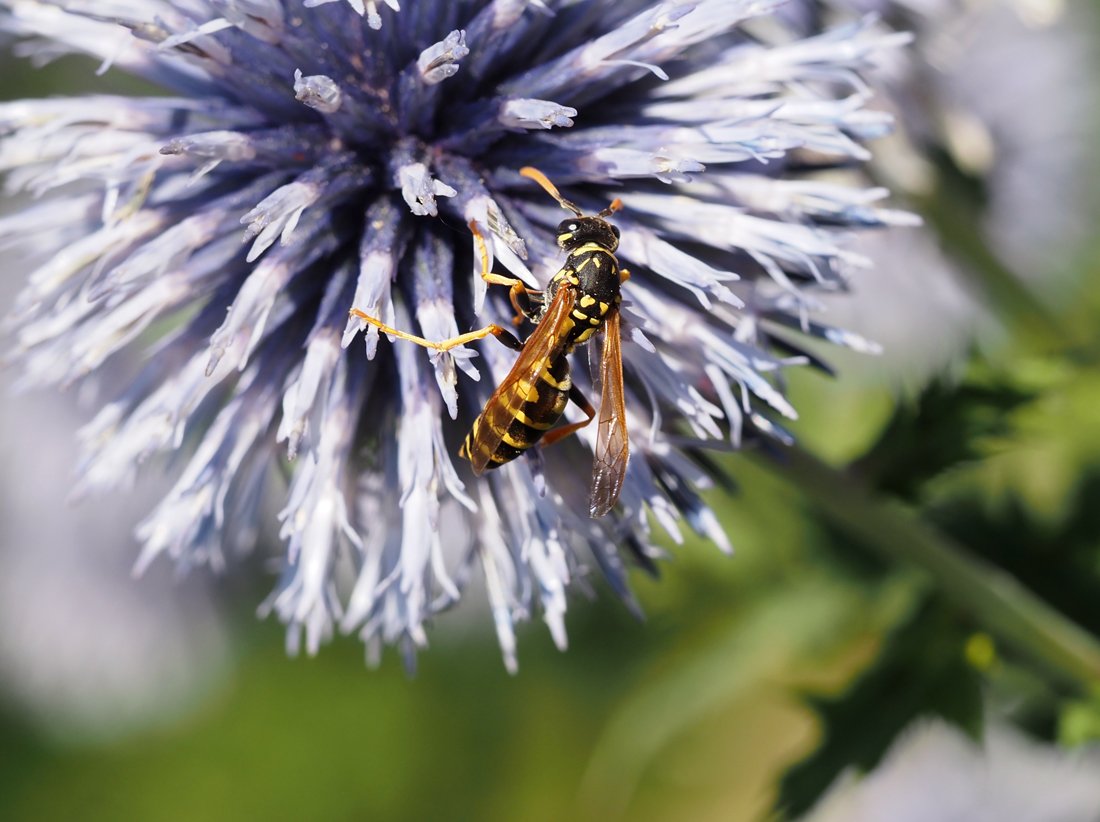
517 289
497 331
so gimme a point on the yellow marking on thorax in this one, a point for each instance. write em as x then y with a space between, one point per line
591 247
587 300
584 335
567 326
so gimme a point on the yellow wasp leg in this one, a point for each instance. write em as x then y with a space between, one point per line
442 345
624 275
515 286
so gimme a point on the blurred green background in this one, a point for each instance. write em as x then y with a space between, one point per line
937 556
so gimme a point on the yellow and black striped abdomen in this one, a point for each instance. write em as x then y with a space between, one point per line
533 409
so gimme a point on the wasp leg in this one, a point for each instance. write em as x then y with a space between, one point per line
443 345
516 287
624 275
580 399
510 340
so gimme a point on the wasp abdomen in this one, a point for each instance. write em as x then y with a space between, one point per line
533 410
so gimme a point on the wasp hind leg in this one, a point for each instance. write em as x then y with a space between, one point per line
558 433
517 289
443 345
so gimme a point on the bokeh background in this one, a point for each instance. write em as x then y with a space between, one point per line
909 628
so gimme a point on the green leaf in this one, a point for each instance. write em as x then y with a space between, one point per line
1059 562
922 671
947 425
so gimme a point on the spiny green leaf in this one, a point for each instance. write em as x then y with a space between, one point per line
946 426
921 671
1060 562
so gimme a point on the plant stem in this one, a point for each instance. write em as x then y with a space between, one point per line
1002 605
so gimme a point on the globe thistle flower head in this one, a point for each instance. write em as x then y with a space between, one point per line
352 147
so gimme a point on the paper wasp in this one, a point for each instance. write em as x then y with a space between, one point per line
580 299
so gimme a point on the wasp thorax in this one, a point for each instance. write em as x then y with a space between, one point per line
575 232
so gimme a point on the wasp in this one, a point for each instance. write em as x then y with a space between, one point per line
581 299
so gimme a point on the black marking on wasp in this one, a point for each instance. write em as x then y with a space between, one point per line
582 298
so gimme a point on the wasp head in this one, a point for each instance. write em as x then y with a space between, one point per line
576 231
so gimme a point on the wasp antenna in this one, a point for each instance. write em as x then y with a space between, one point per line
532 173
616 205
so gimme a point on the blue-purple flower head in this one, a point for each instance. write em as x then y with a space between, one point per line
350 145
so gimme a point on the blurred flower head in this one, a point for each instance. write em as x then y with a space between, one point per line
934 772
350 145
1000 94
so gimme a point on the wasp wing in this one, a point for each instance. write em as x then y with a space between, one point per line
612 445
544 345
